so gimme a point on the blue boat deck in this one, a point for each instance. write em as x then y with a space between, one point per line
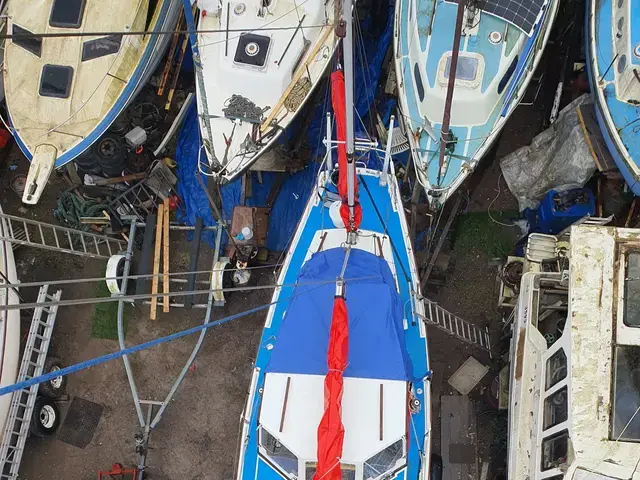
377 208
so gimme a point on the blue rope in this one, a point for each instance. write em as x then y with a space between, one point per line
110 356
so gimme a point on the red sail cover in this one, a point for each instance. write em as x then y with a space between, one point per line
338 102
331 430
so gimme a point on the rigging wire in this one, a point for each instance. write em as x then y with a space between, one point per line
142 346
146 296
31 35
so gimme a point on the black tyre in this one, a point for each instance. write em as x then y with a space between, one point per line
45 418
53 388
110 154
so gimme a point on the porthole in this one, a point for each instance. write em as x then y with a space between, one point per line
622 63
418 78
620 3
620 23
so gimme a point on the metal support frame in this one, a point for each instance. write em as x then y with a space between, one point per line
384 175
150 421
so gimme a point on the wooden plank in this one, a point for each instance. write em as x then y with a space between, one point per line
594 139
170 55
458 438
284 404
156 261
294 81
632 210
165 256
183 49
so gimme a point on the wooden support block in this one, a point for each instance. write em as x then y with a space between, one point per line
156 262
165 256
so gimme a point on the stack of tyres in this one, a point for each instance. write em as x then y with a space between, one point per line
107 157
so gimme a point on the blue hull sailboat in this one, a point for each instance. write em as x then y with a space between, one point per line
613 65
500 46
340 387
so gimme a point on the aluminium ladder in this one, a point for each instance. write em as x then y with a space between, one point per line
452 324
60 239
16 429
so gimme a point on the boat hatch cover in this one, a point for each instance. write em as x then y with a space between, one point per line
252 50
56 81
67 13
30 44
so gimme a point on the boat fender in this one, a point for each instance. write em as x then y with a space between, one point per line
113 268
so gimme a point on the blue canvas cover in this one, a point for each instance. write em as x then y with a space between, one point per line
376 334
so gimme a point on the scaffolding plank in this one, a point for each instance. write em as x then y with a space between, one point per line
156 262
165 257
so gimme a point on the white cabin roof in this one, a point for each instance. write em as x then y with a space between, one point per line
360 414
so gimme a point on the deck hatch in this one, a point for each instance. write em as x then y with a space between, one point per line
467 68
252 50
30 44
55 81
101 47
67 13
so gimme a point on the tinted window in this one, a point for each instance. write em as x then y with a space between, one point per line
626 394
418 77
278 453
632 291
32 44
555 408
66 13
556 368
101 47
56 81
554 450
384 461
504 81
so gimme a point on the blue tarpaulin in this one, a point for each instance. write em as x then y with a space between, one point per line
377 346
294 192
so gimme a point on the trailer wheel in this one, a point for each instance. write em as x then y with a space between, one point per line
45 418
56 387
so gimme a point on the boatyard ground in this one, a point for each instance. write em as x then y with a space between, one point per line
198 436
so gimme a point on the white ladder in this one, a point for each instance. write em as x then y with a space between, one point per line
16 428
60 239
452 324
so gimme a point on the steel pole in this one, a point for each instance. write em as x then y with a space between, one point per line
446 118
125 359
347 49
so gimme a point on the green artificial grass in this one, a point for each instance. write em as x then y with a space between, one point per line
476 230
105 316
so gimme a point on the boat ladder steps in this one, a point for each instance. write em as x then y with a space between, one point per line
452 324
16 429
22 231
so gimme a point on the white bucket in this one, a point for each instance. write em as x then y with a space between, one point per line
334 214
247 233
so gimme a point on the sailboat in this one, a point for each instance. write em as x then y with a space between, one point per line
613 57
501 43
63 92
341 383
257 64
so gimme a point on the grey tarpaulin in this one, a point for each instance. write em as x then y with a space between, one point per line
558 158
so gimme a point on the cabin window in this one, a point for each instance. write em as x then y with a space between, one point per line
554 450
278 453
56 81
419 85
347 472
31 44
556 408
504 81
67 13
626 394
632 291
384 461
556 368
466 70
101 47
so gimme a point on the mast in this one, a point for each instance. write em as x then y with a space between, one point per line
446 118
347 48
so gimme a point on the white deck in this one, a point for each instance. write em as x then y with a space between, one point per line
593 330
360 414
292 56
